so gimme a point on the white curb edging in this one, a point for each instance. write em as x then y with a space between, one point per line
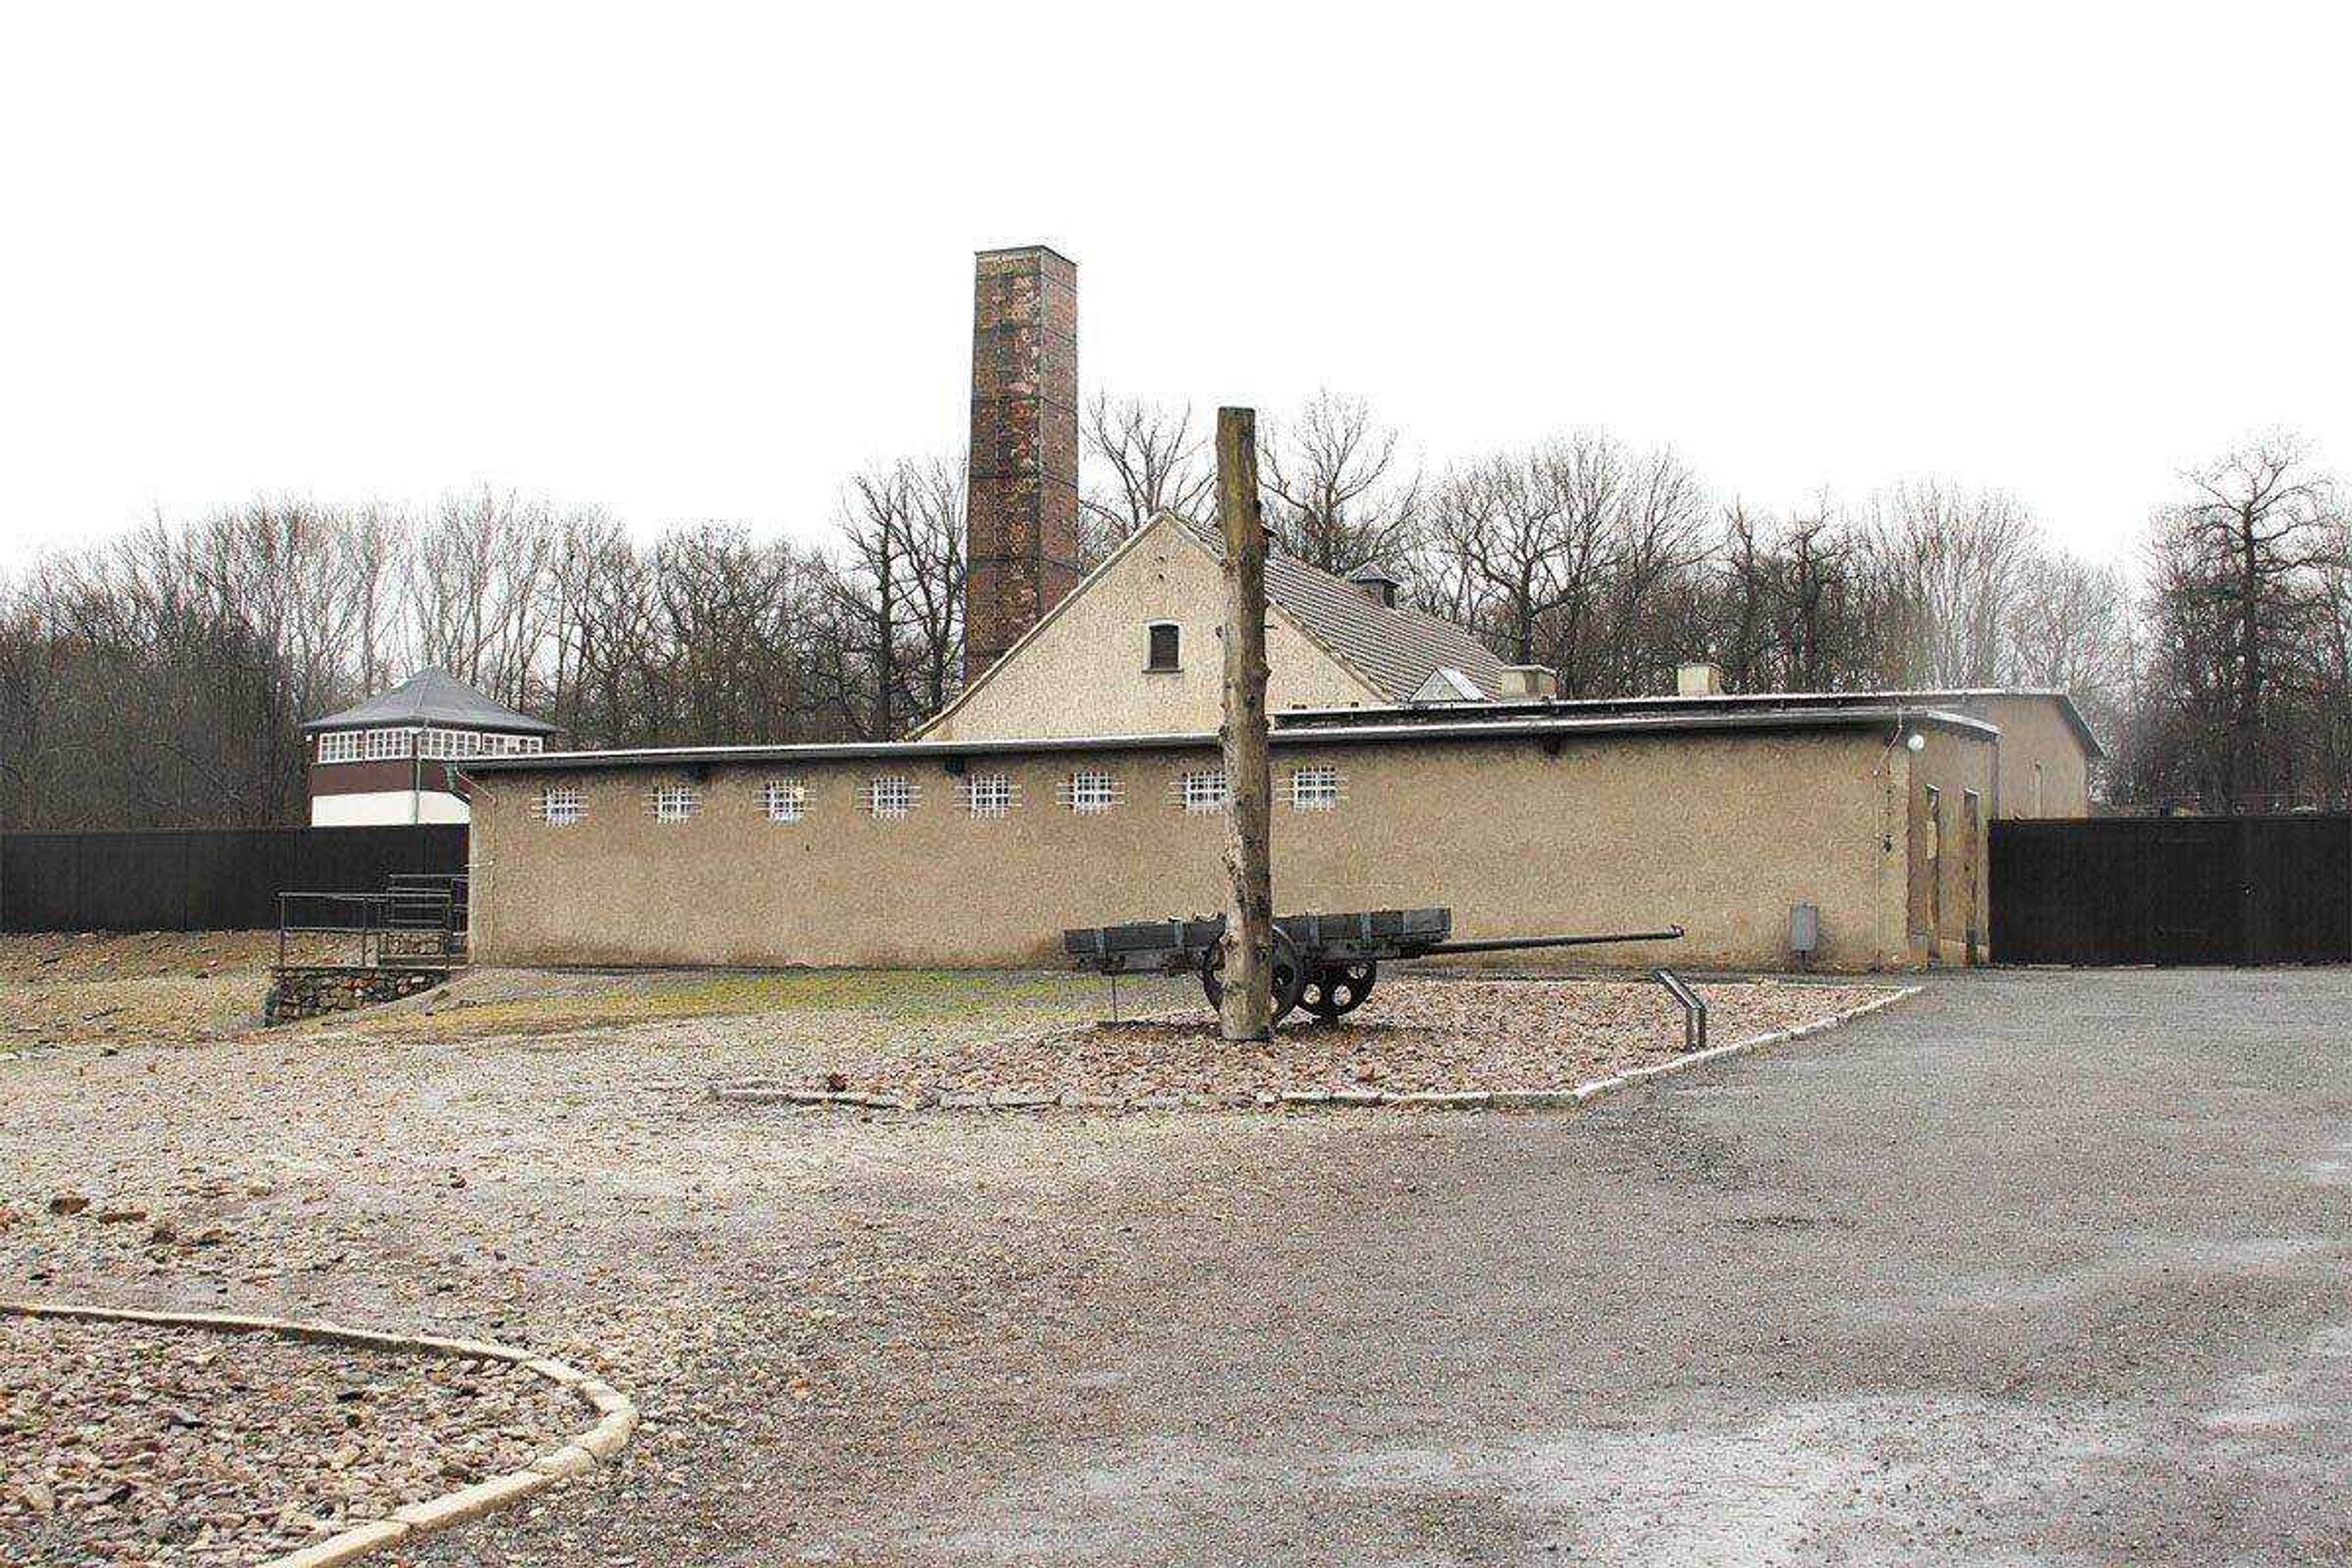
1741 1047
755 1093
616 1418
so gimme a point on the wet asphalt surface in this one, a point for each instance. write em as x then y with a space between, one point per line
2033 1269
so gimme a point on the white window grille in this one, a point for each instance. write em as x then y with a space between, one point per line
1090 792
890 796
383 744
676 802
1315 789
989 794
340 746
1203 792
560 805
784 800
529 744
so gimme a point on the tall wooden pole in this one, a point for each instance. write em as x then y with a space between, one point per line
1247 1012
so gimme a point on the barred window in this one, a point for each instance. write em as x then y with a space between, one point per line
989 795
560 805
676 802
1315 789
784 800
340 746
890 796
1090 792
1204 792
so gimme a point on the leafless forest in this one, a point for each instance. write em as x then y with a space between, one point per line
157 679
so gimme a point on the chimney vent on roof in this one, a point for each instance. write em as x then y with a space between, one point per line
1701 679
1529 682
1376 583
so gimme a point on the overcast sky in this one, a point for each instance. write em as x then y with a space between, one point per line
692 262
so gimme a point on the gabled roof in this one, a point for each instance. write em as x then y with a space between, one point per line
1395 650
433 696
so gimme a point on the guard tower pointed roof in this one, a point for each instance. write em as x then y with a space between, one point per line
433 696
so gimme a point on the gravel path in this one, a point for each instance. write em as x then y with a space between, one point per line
122 1443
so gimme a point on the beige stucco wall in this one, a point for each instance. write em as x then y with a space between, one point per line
1721 834
2035 739
1947 895
1083 673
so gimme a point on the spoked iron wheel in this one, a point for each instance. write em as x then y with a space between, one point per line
1289 975
1335 990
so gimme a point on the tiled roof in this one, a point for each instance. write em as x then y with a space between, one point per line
433 696
1396 649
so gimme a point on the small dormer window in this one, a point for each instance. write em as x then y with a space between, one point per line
1167 645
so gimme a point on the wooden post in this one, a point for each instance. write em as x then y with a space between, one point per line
1247 1012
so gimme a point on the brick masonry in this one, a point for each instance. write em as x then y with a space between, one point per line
305 992
1023 516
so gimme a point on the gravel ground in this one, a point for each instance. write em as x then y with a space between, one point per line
120 1443
826 1319
147 985
1409 1035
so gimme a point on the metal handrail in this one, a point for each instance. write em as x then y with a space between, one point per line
452 883
1692 1005
381 915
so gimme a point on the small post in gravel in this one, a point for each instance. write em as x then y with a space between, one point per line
1245 1011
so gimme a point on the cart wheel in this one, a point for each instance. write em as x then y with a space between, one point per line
1339 989
1290 974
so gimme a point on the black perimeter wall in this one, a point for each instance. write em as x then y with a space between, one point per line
203 879
2173 890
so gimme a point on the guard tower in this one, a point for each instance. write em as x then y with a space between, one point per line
385 762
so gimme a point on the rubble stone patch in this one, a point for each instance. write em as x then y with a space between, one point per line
1425 1044
149 1442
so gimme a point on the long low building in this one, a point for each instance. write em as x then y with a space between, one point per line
1074 780
1722 817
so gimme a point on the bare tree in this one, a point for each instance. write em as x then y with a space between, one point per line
1951 559
1144 459
1337 492
2241 573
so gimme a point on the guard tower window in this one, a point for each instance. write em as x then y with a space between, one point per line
1167 645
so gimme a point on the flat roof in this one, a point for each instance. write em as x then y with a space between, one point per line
1630 726
1744 701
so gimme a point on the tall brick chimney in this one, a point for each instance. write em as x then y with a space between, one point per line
1021 545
